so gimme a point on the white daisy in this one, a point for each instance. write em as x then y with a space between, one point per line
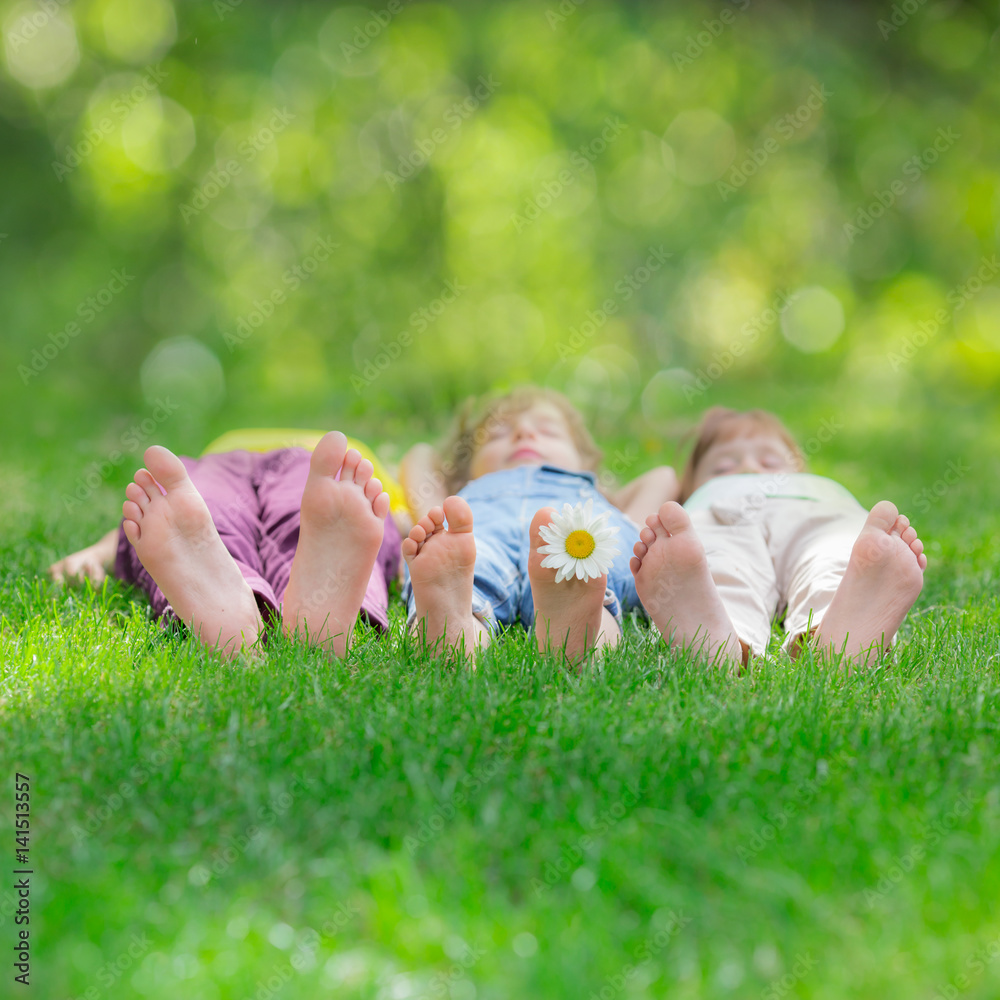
579 544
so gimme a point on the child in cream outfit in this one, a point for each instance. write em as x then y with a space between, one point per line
758 536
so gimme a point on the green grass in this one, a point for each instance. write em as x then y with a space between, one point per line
397 826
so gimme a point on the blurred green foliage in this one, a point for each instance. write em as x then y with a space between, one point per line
323 215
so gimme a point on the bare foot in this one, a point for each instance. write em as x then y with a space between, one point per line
676 588
569 616
339 537
884 576
442 563
171 529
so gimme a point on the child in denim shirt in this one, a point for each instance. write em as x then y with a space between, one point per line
506 468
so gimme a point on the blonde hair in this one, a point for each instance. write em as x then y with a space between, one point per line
477 417
722 424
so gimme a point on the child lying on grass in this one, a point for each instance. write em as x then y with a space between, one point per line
506 466
224 540
757 535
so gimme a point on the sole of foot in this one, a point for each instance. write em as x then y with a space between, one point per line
441 559
676 588
340 532
171 529
569 616
884 576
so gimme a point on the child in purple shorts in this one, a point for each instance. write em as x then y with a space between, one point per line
224 541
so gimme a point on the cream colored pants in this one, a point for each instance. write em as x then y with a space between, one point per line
773 555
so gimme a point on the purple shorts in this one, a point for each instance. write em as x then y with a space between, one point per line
254 499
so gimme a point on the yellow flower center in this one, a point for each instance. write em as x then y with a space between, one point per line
580 544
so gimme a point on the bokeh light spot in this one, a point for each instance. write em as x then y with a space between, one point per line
663 395
349 41
524 944
813 319
703 144
40 45
158 135
139 31
184 370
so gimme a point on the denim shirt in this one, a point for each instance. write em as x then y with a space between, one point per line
503 504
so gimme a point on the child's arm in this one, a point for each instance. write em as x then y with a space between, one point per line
645 494
92 563
422 480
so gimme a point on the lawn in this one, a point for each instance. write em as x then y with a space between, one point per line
397 826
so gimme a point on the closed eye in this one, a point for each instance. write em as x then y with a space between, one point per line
498 431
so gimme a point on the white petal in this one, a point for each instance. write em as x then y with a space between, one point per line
605 553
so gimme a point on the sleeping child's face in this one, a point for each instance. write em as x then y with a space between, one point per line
755 452
538 435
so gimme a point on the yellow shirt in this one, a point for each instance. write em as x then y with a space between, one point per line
271 438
